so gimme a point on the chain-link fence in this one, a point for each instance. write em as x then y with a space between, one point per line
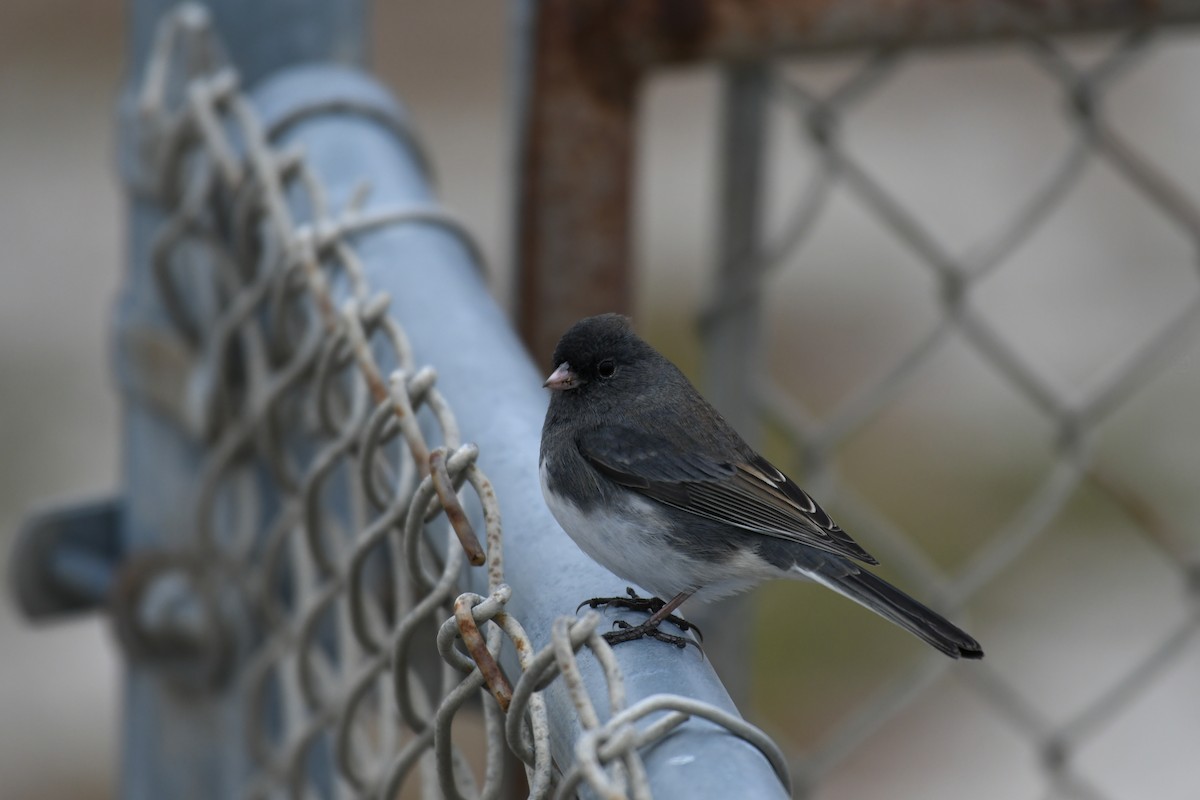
1073 412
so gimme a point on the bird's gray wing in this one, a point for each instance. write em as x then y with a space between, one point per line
748 493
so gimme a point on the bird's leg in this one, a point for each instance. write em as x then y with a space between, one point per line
661 613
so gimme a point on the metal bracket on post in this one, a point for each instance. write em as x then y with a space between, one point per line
65 558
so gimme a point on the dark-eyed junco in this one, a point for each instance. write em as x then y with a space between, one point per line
652 483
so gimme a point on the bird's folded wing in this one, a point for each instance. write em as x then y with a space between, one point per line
748 493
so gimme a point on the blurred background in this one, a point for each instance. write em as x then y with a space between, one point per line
960 137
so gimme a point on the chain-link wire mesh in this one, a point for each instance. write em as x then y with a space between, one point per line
1074 413
332 508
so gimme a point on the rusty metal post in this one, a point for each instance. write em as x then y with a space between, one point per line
575 159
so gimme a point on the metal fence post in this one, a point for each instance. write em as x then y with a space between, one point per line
732 326
731 330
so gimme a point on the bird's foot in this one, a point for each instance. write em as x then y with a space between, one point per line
628 633
649 605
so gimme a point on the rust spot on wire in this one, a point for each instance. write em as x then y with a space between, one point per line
454 510
523 646
497 682
406 417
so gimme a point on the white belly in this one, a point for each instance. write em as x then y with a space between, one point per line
623 543
630 542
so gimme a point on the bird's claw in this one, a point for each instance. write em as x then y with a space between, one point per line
629 633
649 605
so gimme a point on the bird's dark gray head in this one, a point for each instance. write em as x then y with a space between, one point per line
601 356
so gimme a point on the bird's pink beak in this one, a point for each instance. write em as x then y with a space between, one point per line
561 379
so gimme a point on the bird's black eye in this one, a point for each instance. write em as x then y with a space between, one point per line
606 368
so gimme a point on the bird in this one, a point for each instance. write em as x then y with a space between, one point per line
652 483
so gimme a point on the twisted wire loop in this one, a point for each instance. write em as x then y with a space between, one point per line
1076 414
332 563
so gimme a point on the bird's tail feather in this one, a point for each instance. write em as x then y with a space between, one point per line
889 602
